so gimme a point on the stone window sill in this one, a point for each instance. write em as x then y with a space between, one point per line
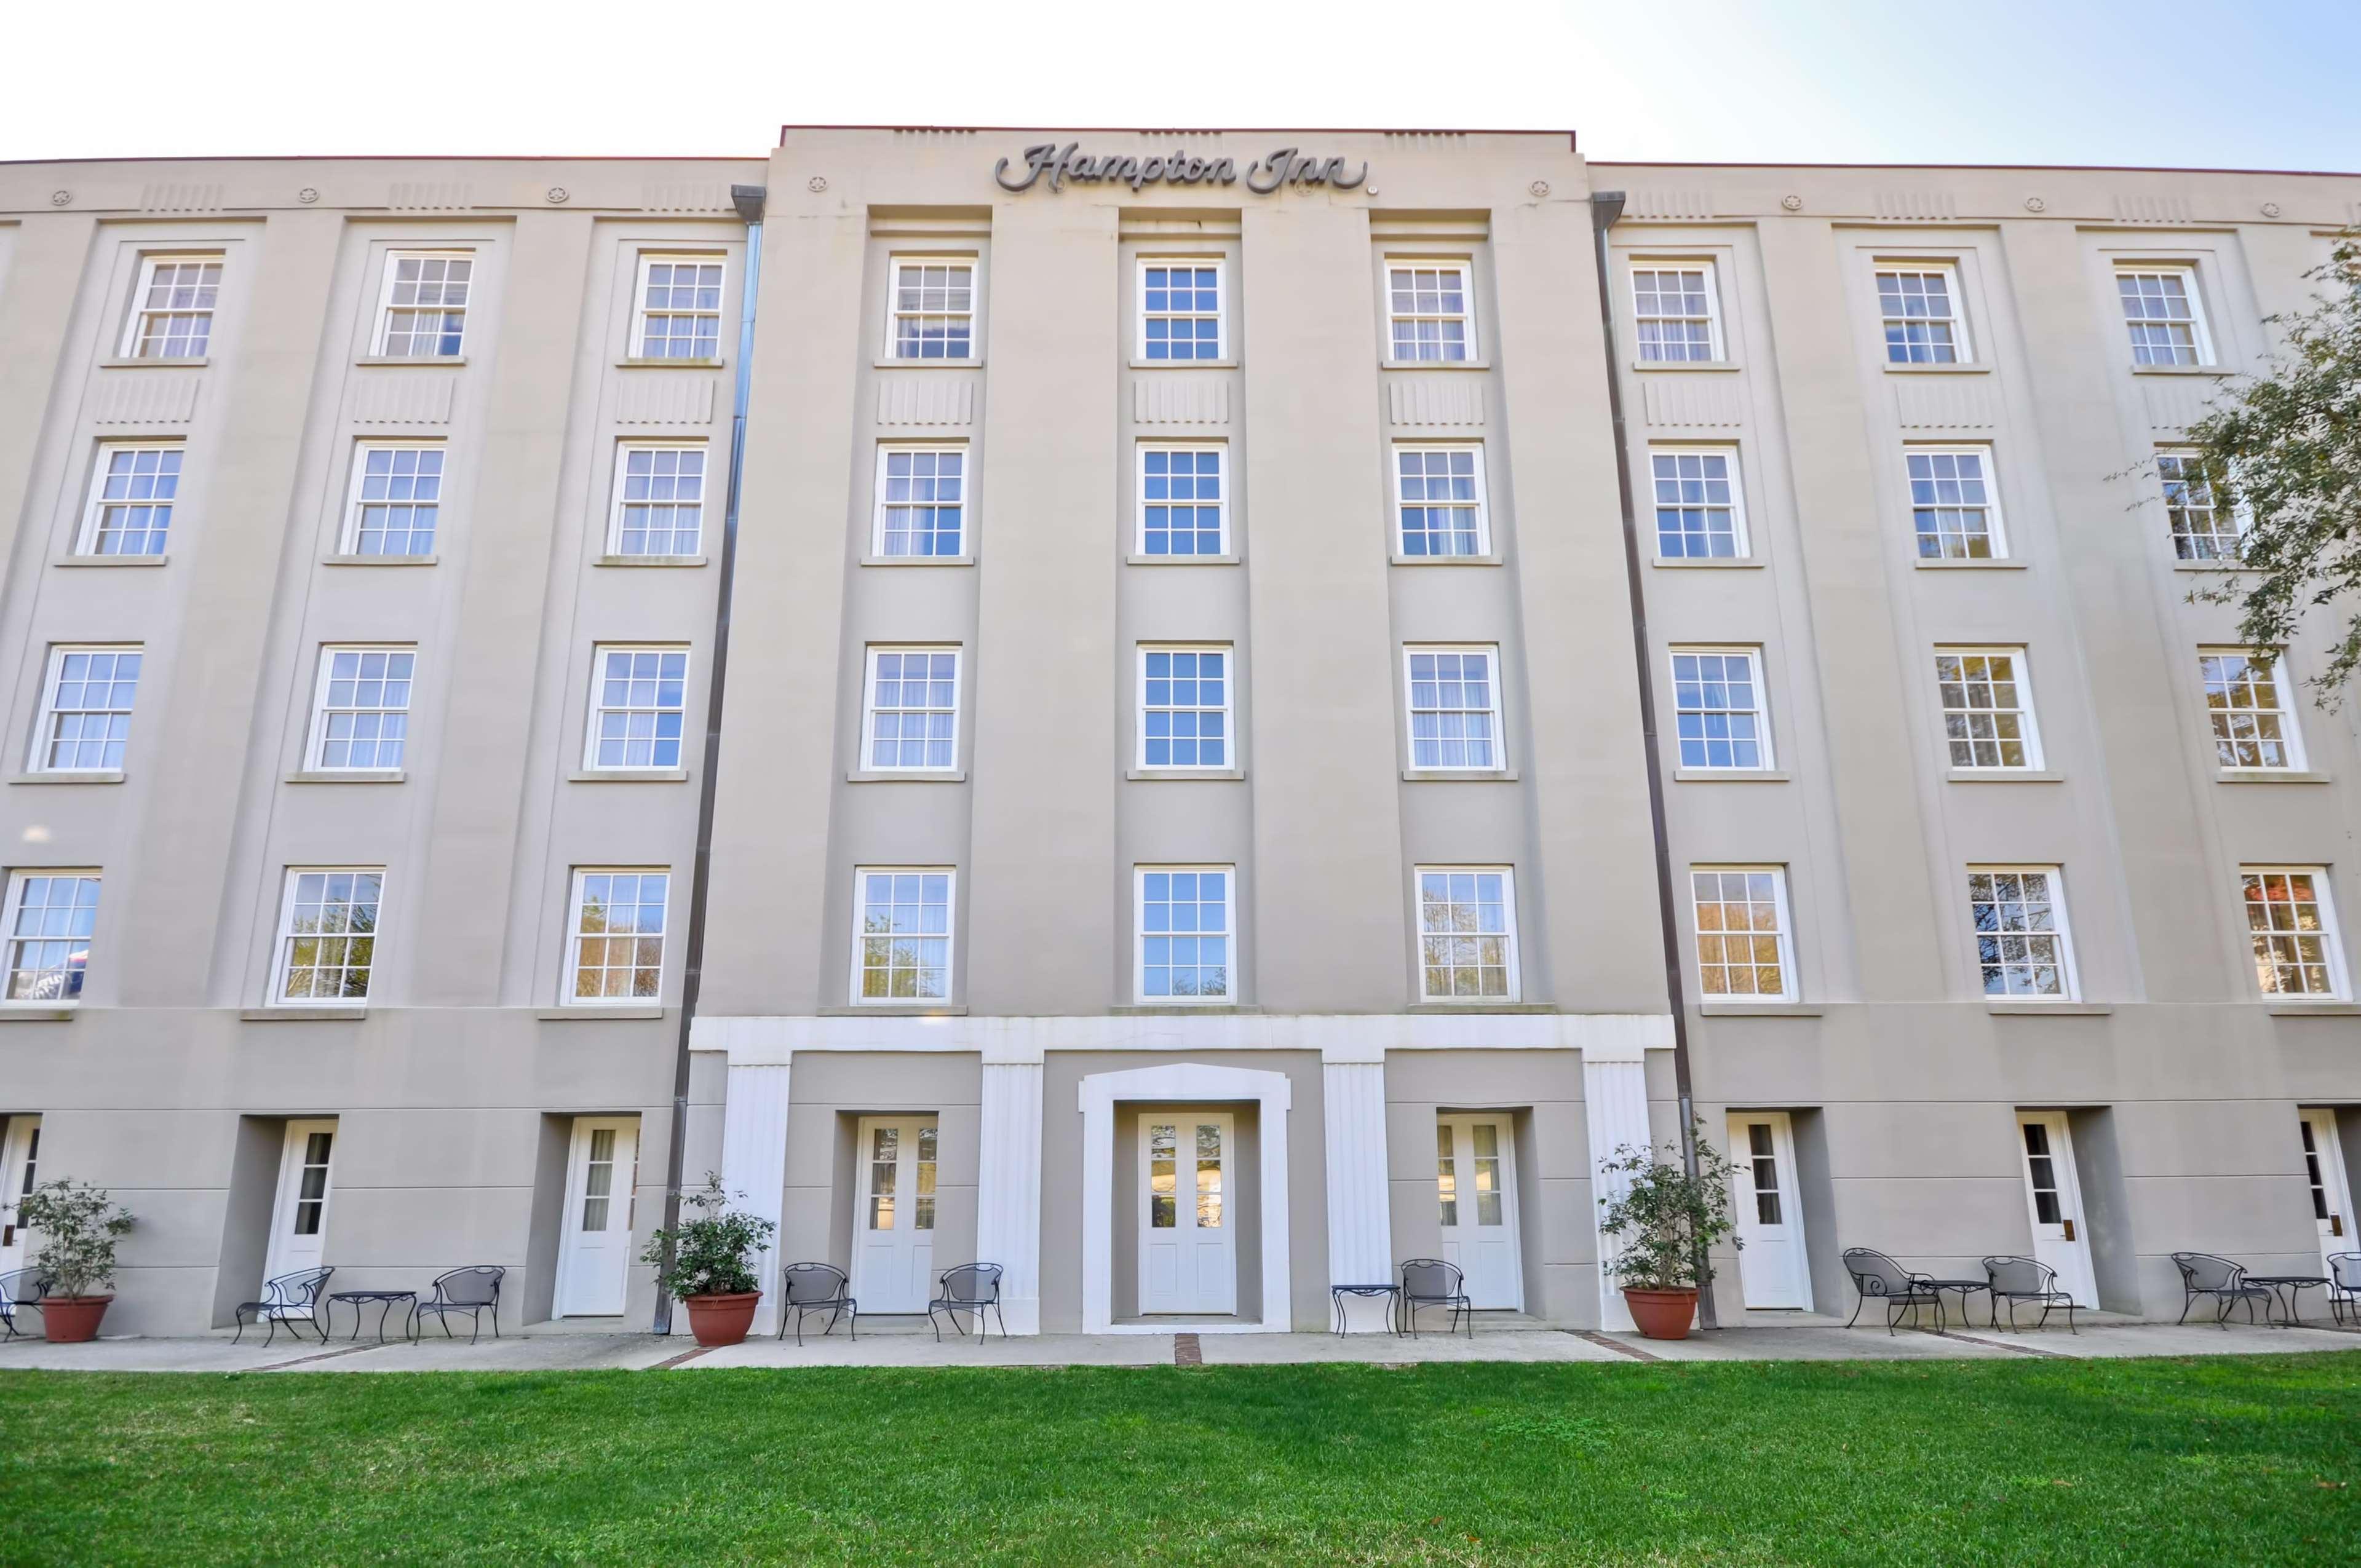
199 363
592 1011
968 560
110 560
1483 1005
668 364
412 359
378 560
2315 1009
1459 776
1728 775
2209 566
897 1010
34 1013
2002 564
347 776
2215 370
649 561
1446 560
2268 775
1179 1010
1181 560
1230 363
908 776
1691 365
1434 364
1969 370
973 364
1756 1010
302 1015
1182 775
1707 563
2001 1009
628 775
2003 775
95 777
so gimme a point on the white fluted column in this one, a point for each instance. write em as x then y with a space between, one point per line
1360 1215
754 1162
1008 1181
1615 1103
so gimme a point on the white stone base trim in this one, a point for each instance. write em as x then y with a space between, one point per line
1360 1217
754 1162
1008 1189
1615 1106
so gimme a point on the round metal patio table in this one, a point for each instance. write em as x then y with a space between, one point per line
1966 1287
385 1300
1391 1293
2288 1288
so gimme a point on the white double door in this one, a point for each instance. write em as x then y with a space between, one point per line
20 1158
2053 1193
1187 1225
299 1213
1774 1268
1476 1188
2332 1197
593 1250
893 1214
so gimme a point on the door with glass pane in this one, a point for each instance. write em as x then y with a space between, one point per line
1188 1232
299 1216
20 1160
893 1214
2055 1196
1772 1264
1475 1187
2332 1196
593 1250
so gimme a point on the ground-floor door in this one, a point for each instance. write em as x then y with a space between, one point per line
299 1215
593 1250
1772 1267
893 1214
20 1158
1188 1234
2332 1196
1476 1184
2054 1193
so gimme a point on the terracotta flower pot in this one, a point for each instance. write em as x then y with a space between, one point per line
721 1319
73 1320
1662 1315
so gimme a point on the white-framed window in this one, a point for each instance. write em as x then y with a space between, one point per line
85 719
676 313
1955 503
638 702
659 499
902 934
615 934
1743 946
2202 529
422 307
1185 707
1183 500
1918 306
1186 923
1719 716
921 502
132 488
932 314
1430 312
2164 315
1453 695
327 933
50 916
1700 514
1180 317
909 722
2246 703
360 709
1677 312
172 307
1466 934
1439 491
2291 925
1987 697
397 499
2023 946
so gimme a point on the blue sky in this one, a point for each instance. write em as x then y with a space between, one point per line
2270 83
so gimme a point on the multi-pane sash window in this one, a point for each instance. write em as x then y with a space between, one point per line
51 917
131 496
1674 309
361 714
397 500
1953 507
1184 933
1185 707
934 310
637 702
616 932
172 308
1180 310
1441 492
2202 529
1430 312
2245 702
679 309
1919 308
902 934
1182 510
1467 933
921 501
1987 707
327 933
1717 708
2293 929
1455 707
86 699
424 314
1697 513
659 500
2019 916
2161 312
912 722
1742 931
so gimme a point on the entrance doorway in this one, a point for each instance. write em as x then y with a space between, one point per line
1772 1267
20 1157
894 1213
1475 1187
593 1250
299 1214
1188 1234
2332 1197
2054 1194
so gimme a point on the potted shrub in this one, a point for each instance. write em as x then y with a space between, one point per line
1663 1223
710 1268
78 1225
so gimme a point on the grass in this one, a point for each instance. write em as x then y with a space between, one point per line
2212 1461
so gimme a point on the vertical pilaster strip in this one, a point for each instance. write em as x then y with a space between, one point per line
1615 1106
1008 1184
1360 1220
754 1162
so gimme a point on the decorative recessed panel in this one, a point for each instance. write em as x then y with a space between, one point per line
1939 403
1692 401
1434 399
403 397
1916 206
180 198
430 195
904 399
1181 399
2175 403
145 397
699 196
1660 204
664 396
2152 210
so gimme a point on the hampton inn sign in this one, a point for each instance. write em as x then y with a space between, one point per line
1285 166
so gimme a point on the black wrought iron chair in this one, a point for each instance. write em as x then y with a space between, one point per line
2344 1285
1874 1275
970 1287
475 1290
20 1288
809 1287
2202 1274
2027 1279
290 1299
1430 1282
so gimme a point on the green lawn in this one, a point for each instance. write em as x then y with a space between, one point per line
2218 1461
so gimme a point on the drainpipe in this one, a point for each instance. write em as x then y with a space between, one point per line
1606 207
748 200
